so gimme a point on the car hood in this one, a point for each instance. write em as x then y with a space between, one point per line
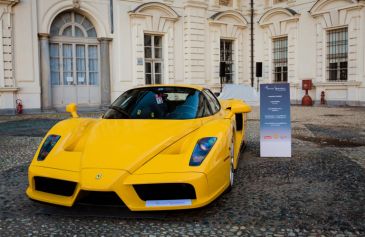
128 144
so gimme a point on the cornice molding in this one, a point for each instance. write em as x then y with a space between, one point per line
8 89
338 83
9 2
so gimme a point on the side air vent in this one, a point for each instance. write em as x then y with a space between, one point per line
239 122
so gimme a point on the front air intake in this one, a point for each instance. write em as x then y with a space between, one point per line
170 191
98 198
55 186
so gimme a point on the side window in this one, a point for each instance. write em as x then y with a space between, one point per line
212 100
204 109
207 110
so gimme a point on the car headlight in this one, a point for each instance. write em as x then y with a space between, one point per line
47 146
201 150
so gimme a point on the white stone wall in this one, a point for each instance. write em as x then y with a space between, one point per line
232 26
7 47
159 20
332 15
307 46
8 84
191 31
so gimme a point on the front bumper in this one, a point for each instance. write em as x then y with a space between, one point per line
121 182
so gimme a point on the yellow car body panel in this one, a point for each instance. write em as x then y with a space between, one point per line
116 154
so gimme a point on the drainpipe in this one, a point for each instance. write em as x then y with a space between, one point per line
111 9
252 44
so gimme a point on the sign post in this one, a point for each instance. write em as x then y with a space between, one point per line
222 73
275 125
258 73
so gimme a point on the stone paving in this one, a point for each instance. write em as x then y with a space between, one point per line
320 191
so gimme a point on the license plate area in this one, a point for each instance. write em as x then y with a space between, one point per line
168 203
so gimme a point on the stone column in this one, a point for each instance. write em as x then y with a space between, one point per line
105 71
46 93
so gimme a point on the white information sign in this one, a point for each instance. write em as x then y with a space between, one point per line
81 79
275 125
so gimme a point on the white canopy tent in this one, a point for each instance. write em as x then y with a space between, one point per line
242 92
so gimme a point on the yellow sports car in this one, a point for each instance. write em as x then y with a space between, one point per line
156 148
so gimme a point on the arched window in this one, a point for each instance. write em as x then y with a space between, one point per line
74 51
72 24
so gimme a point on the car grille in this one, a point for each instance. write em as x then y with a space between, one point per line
54 186
169 191
99 198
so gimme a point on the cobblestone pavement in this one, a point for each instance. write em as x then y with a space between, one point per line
320 191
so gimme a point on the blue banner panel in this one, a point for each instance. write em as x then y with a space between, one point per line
275 125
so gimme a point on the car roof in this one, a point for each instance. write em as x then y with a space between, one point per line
197 87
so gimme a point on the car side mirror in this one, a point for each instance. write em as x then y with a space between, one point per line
240 108
72 109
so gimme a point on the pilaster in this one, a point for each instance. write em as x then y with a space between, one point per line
6 44
195 27
46 92
105 70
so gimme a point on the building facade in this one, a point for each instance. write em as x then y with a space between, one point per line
53 52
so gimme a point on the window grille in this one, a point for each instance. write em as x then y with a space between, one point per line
153 58
280 59
72 24
337 50
226 55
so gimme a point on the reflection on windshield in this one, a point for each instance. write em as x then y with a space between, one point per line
156 103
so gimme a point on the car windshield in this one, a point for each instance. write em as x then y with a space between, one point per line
156 103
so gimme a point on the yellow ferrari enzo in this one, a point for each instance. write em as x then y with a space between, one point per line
156 148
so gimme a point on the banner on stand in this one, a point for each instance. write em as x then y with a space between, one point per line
275 125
